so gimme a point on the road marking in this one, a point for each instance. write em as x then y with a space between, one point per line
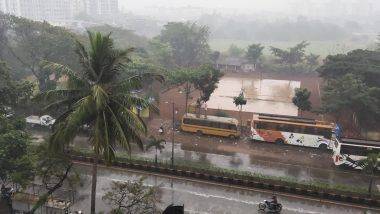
232 186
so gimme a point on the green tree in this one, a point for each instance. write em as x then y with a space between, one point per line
189 43
370 165
15 164
291 56
352 83
185 77
240 101
29 42
123 38
254 52
157 144
12 93
98 96
161 53
301 99
235 51
132 197
206 82
312 61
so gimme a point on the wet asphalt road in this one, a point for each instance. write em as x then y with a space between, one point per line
245 162
201 197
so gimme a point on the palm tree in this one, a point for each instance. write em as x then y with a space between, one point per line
157 144
240 101
369 165
99 96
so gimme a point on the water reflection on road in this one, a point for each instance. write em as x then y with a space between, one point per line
246 162
249 163
200 197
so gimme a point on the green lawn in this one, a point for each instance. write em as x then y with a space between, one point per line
316 47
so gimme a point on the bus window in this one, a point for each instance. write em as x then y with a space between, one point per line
310 130
224 125
187 121
232 127
299 129
215 125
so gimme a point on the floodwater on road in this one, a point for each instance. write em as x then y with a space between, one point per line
199 197
245 162
263 96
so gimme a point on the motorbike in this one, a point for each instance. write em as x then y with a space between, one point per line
269 207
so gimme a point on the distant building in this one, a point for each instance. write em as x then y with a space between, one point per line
234 64
50 10
102 7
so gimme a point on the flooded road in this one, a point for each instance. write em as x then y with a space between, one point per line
200 197
184 153
263 96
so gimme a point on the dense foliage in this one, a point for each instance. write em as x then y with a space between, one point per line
100 96
254 52
133 197
353 85
28 42
301 99
188 42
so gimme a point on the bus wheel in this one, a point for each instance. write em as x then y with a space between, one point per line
279 141
199 133
322 146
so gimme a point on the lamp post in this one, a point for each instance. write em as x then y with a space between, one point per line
173 124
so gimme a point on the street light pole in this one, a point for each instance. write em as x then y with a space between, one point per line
172 159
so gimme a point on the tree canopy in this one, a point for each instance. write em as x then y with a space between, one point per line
235 51
291 56
12 93
132 197
188 41
29 42
123 38
301 99
254 52
353 84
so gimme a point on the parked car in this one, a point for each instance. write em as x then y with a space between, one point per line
45 120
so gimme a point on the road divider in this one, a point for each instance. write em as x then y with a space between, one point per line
247 181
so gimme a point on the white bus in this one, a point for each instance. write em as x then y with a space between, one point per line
292 130
349 152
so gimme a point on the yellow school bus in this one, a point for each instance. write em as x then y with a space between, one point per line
210 125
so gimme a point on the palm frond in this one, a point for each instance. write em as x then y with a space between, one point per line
119 131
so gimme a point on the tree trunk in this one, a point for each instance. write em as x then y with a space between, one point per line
155 158
94 180
370 185
187 96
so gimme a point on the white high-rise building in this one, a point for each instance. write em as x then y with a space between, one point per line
102 7
51 10
10 6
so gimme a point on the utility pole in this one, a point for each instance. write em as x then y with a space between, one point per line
172 159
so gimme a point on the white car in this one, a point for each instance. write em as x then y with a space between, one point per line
45 120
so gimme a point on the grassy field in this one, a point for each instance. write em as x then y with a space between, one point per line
316 47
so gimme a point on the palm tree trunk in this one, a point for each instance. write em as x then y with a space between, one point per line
94 180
